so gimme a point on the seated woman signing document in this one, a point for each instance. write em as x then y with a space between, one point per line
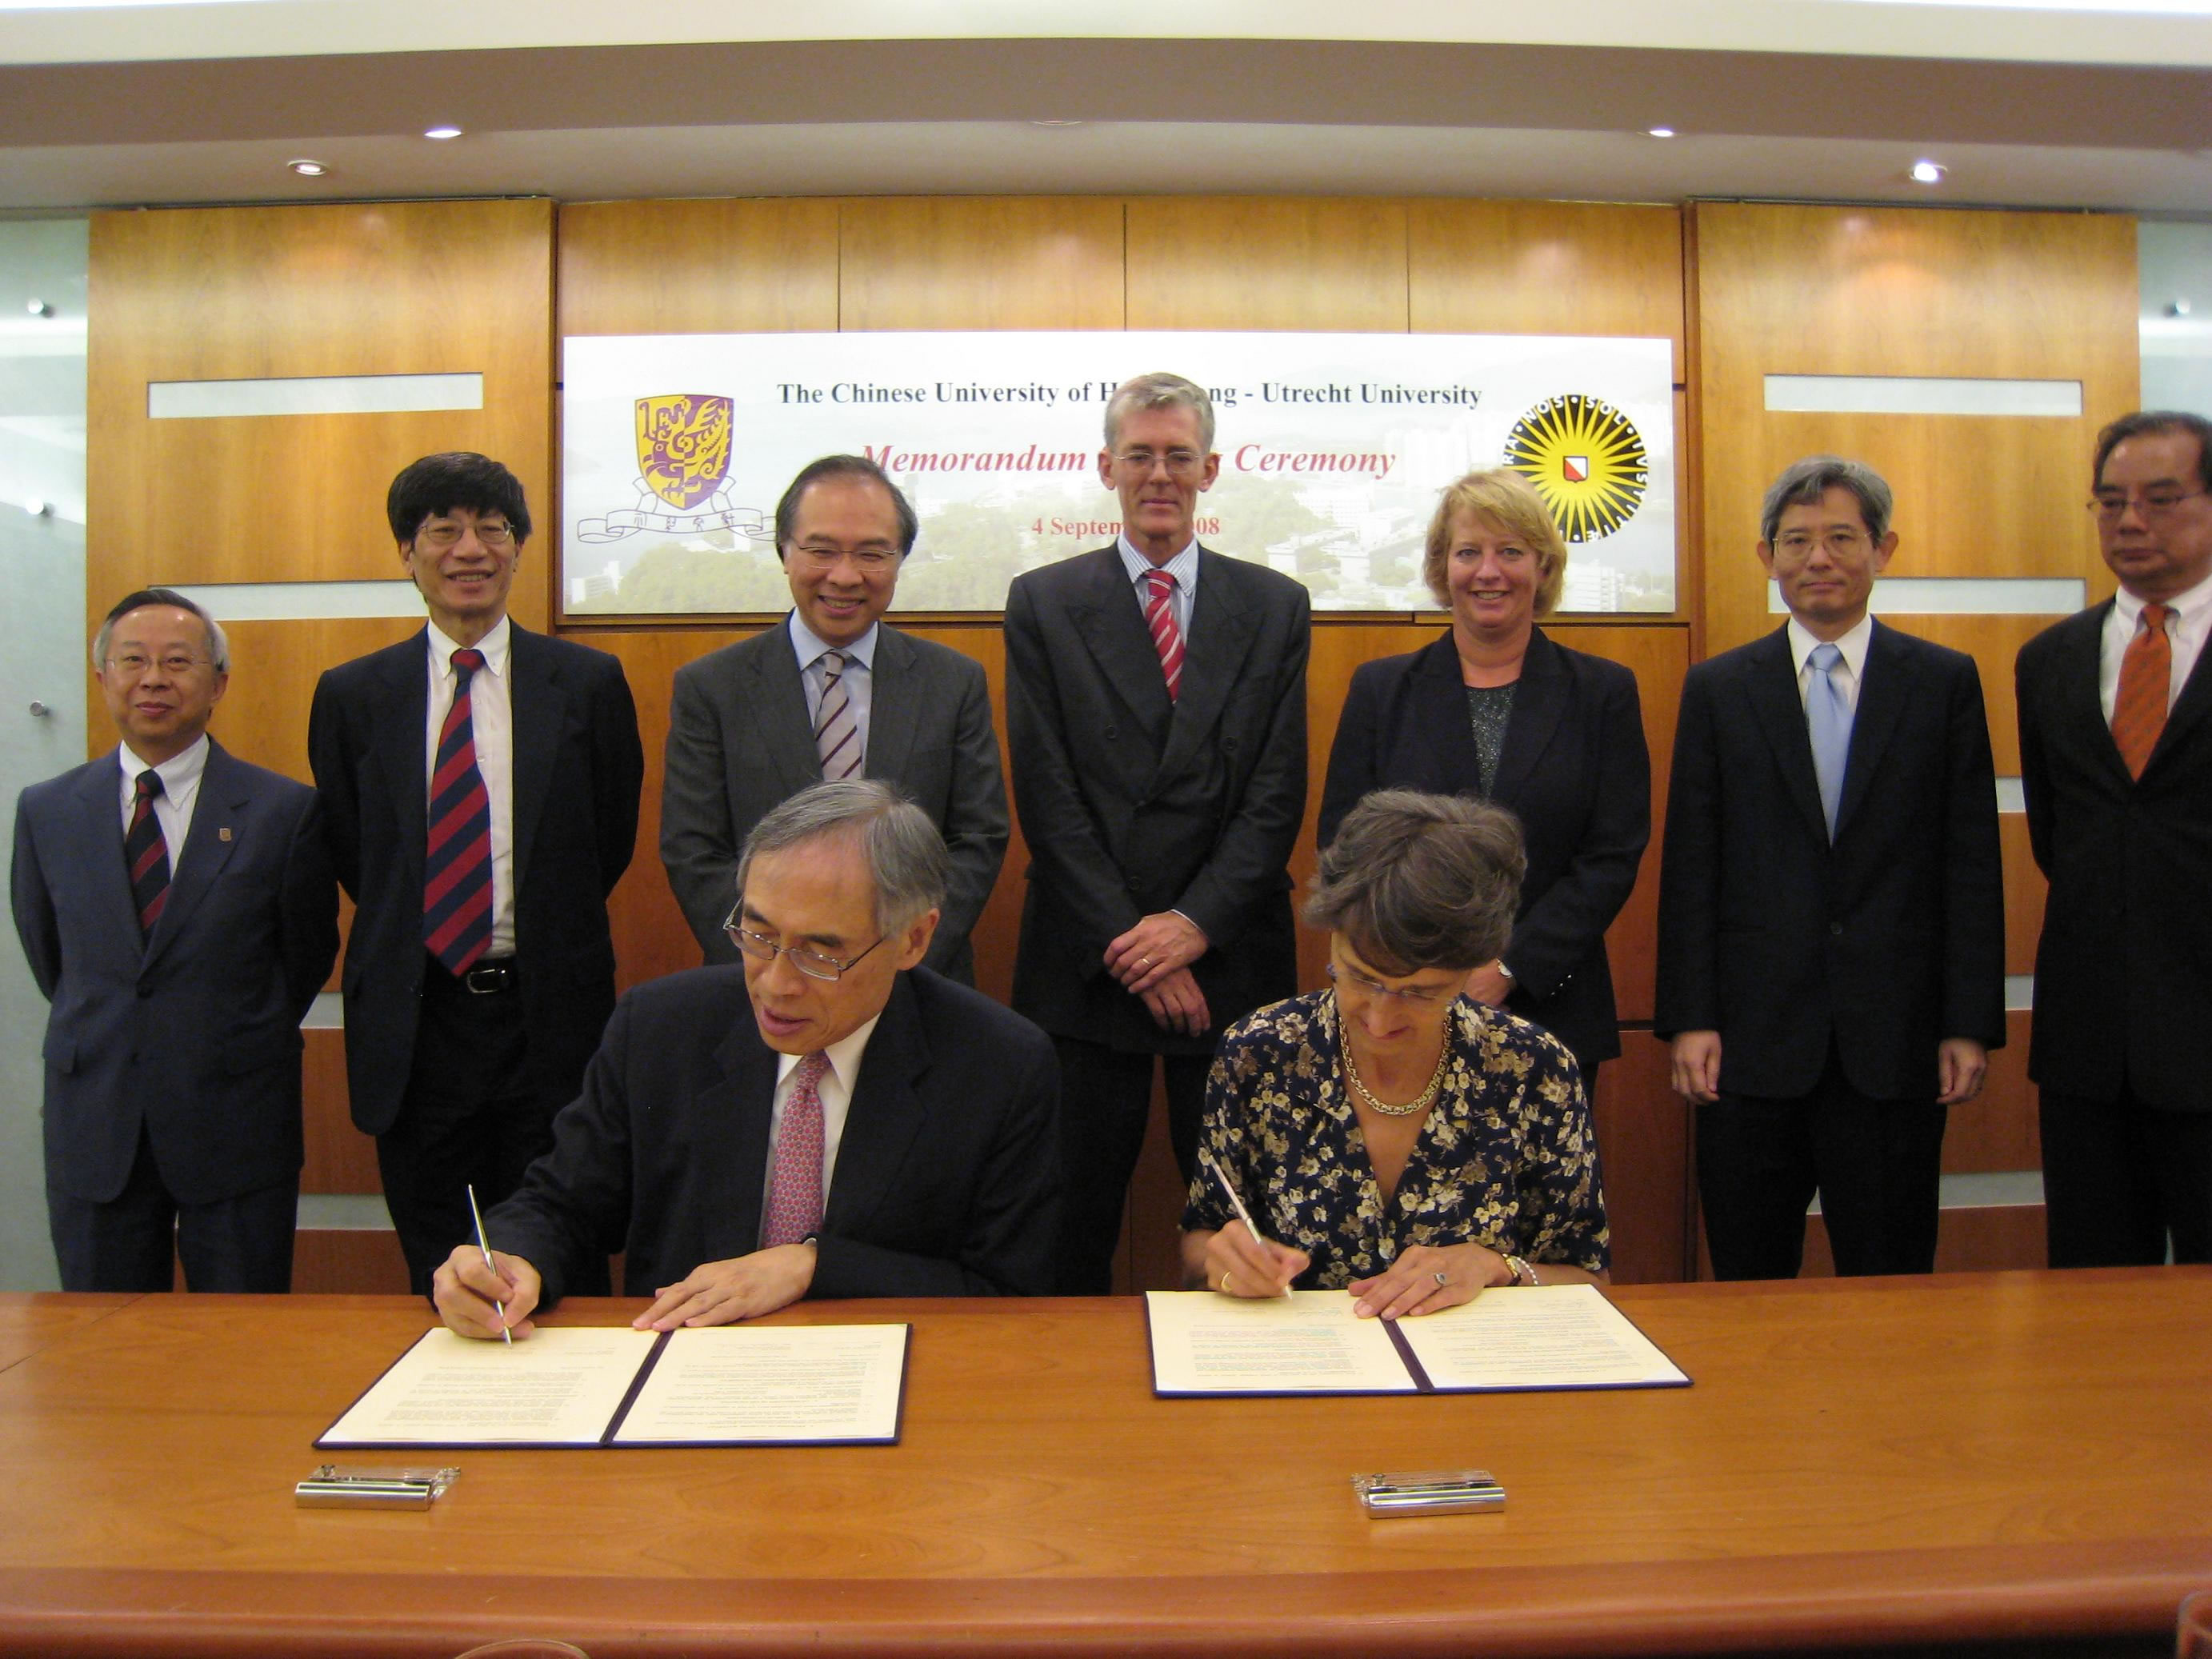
1389 1135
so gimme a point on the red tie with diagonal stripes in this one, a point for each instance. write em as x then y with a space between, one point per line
1167 638
146 854
456 871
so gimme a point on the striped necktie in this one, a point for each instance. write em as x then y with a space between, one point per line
1167 638
146 854
2146 682
794 1188
836 735
457 871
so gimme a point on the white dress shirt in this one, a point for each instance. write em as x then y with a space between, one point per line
181 792
491 722
1847 674
836 1093
859 678
2186 628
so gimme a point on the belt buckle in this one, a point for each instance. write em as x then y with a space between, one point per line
486 977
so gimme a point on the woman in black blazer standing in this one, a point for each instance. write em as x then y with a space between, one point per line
1496 709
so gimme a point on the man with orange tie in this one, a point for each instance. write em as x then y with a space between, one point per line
827 1119
2116 763
482 785
176 907
1156 718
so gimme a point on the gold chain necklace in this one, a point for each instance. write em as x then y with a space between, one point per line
1351 1076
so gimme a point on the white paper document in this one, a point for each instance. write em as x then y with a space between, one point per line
766 1384
1552 1336
560 1386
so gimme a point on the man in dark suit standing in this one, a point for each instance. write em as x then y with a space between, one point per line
1157 722
1830 910
178 910
830 1119
481 784
832 694
2116 762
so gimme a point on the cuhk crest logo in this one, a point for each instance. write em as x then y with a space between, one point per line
683 463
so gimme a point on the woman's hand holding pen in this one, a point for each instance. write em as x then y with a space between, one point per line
1239 1264
469 1295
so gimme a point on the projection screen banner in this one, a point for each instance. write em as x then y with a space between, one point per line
1333 447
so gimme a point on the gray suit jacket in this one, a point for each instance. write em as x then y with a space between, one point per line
739 742
194 1032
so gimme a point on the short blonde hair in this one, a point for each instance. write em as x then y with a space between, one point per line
1510 502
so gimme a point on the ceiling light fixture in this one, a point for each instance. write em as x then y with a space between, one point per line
1929 172
1661 133
39 308
1056 124
442 132
307 169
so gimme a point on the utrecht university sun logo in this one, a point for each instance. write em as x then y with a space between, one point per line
1585 459
683 463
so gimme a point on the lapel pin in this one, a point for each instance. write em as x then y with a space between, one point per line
223 834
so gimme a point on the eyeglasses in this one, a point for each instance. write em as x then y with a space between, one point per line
1417 996
1180 463
868 558
815 964
1840 543
444 532
2110 506
176 665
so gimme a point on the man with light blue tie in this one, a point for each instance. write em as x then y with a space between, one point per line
1831 909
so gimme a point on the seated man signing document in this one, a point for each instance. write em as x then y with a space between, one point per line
826 1119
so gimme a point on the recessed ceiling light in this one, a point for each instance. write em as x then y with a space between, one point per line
307 169
1929 172
1056 124
443 132
1661 133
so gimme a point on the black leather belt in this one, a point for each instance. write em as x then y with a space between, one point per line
487 978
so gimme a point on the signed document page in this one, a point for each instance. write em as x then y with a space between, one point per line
771 1385
1547 1336
560 1386
1308 1342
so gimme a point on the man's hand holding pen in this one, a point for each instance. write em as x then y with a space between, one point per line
471 1296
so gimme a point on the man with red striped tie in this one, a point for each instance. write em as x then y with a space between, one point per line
1156 718
177 907
482 782
2116 765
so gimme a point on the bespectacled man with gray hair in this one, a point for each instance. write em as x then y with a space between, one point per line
826 1118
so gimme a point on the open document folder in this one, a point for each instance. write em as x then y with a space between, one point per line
1549 1336
720 1385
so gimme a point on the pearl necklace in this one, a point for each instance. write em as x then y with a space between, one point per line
1419 1102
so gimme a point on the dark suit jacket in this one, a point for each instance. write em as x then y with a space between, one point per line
1133 804
947 1179
1574 770
2123 972
578 767
739 742
195 1031
1891 940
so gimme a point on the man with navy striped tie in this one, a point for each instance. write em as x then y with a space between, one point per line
176 907
482 782
831 694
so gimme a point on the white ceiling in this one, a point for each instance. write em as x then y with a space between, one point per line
2027 104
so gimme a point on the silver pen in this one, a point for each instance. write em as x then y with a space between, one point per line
1237 1203
484 1245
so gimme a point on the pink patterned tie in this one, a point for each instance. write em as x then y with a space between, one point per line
794 1190
1167 638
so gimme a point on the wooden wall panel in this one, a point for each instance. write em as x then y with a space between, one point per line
1984 1239
1997 1130
1993 642
340 1159
980 263
1267 263
274 665
1864 291
358 288
2023 889
1545 268
697 267
1644 1141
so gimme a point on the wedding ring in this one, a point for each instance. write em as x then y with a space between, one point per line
1224 1281
1144 961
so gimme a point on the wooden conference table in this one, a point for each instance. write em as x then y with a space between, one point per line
1967 1460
